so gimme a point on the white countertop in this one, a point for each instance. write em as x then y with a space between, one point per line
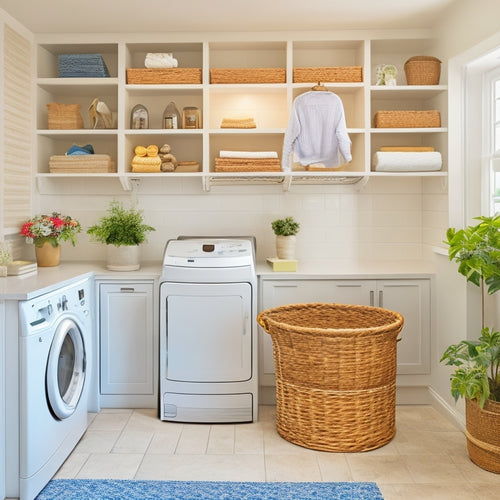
349 270
47 279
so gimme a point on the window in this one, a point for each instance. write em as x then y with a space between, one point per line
492 138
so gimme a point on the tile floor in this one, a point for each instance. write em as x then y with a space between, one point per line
427 459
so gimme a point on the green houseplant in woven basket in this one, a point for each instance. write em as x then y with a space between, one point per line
476 249
285 231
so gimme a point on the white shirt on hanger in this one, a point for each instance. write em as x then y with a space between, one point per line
317 131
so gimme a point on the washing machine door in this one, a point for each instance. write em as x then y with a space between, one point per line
65 376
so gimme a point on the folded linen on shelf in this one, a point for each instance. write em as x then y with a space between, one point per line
394 161
247 165
248 154
247 122
407 148
146 164
160 60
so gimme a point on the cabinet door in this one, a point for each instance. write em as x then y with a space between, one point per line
126 338
276 293
410 298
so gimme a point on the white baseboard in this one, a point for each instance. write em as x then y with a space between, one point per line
448 411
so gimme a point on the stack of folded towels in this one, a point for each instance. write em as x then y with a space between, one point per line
146 159
407 159
160 60
238 122
247 161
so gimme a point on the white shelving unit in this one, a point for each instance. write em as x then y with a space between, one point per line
269 104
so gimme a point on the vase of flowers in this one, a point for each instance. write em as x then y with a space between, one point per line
47 232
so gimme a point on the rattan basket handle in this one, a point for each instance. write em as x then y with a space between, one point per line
262 322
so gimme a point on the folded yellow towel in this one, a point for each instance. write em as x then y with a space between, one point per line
146 164
407 148
238 123
138 167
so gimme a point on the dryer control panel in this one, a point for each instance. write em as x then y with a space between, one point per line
209 253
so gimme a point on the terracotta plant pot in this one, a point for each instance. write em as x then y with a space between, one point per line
123 258
285 247
483 434
48 255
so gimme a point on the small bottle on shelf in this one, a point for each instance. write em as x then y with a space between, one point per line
171 116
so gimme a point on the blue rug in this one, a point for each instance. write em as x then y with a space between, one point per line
108 489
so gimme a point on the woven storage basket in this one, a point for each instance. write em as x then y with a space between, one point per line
248 75
423 70
64 116
335 370
347 74
159 76
82 66
483 434
407 119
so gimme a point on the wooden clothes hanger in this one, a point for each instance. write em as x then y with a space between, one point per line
320 87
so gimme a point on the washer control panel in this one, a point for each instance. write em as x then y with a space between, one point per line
44 309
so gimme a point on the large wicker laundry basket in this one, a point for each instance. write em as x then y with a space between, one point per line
335 374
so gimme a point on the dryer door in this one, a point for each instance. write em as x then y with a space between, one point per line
66 366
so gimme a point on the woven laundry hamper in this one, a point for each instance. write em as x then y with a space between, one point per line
335 374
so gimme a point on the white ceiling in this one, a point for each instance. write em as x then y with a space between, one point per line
128 16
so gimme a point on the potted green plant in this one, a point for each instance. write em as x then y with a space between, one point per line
476 378
285 231
122 230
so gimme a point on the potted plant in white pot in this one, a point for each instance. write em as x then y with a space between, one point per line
285 231
476 249
122 230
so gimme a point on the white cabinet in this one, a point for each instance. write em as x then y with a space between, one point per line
268 103
410 297
128 344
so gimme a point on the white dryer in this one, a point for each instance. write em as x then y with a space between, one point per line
55 361
208 338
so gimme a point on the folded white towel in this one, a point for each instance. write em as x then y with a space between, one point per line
248 154
389 161
160 60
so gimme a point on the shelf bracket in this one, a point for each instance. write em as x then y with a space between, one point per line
360 185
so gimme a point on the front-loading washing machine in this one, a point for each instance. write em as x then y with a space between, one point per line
55 363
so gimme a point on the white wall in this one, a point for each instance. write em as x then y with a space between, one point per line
383 221
467 30
465 24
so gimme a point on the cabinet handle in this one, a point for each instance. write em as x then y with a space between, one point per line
372 298
380 298
127 289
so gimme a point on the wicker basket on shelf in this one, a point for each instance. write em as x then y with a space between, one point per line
423 70
335 370
247 75
64 116
162 76
407 119
334 74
